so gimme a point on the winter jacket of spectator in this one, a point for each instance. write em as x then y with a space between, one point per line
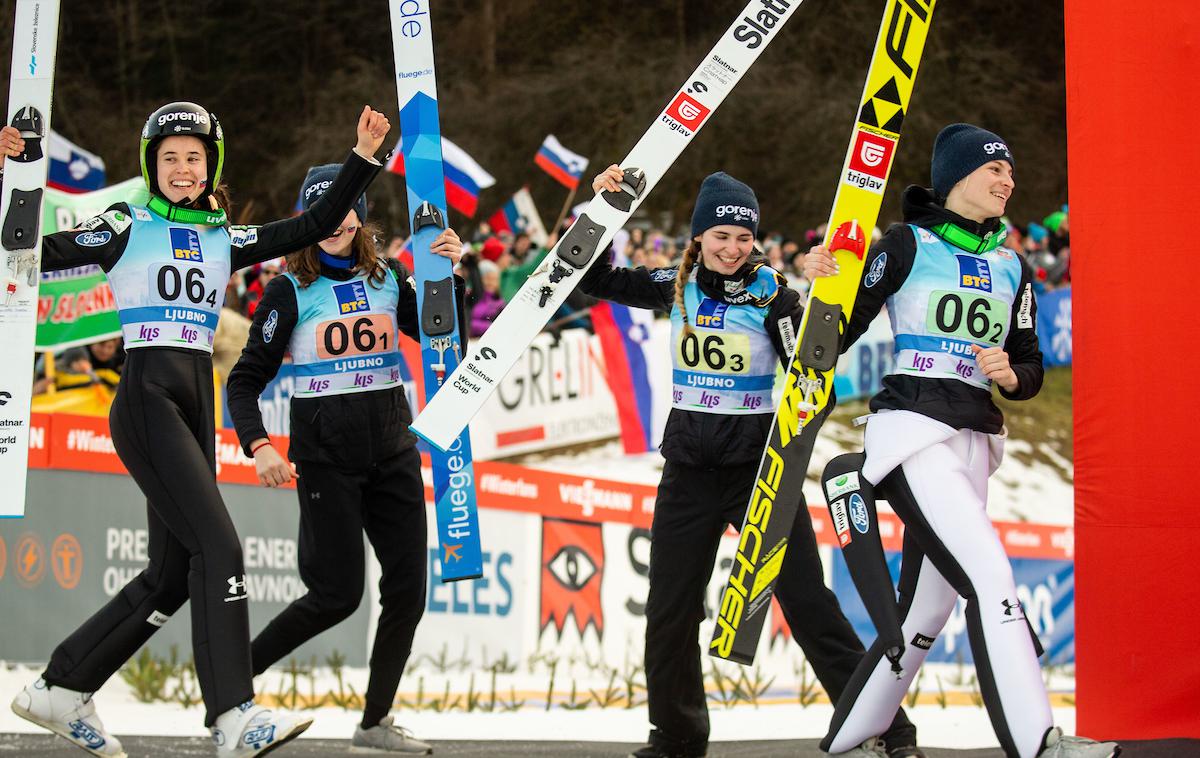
485 310
254 293
704 440
351 430
956 403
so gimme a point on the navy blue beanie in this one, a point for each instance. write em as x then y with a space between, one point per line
724 200
318 179
960 149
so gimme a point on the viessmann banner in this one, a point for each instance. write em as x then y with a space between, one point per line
566 562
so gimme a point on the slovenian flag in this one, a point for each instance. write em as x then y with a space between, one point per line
565 166
518 215
465 178
624 335
73 169
405 256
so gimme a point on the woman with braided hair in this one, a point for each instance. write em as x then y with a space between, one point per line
733 319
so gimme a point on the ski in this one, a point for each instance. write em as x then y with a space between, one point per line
548 286
441 346
30 91
807 395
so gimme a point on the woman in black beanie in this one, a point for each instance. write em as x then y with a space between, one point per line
964 315
731 316
336 312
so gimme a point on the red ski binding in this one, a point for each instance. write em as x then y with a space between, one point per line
849 236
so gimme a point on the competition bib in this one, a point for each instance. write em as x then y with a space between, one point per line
345 338
170 282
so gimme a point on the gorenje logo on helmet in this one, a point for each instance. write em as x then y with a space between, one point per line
197 118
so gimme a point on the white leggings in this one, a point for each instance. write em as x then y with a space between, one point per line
938 486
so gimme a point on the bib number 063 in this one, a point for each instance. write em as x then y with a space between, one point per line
723 354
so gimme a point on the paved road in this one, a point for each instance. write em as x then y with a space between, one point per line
49 746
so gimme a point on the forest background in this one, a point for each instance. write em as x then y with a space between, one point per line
287 80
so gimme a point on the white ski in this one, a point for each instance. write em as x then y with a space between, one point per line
30 89
494 354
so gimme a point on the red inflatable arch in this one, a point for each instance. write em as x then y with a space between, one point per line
1133 126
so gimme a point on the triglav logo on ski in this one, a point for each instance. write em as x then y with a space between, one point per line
756 30
870 161
685 114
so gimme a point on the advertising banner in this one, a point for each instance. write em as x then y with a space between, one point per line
565 565
1054 327
76 306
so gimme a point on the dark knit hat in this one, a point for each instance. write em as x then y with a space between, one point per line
724 200
318 179
960 149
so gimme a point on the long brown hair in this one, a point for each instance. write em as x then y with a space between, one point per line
681 281
305 264
223 200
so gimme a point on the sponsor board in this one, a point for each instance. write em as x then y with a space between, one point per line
566 565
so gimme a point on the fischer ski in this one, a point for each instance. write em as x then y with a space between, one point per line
548 286
807 397
441 347
30 92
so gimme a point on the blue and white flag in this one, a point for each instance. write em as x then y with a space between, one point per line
73 169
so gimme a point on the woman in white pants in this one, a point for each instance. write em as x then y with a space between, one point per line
963 313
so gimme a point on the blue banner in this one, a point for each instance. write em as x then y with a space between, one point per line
1054 326
860 370
1046 589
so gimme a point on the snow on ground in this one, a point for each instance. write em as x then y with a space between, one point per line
1036 493
955 726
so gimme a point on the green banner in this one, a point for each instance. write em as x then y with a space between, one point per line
76 306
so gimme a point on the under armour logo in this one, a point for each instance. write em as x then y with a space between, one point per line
1009 607
237 588
314 496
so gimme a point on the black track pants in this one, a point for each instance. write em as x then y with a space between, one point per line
163 431
387 501
690 514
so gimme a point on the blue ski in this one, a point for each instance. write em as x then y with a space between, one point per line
441 347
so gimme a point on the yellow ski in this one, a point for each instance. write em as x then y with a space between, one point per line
807 395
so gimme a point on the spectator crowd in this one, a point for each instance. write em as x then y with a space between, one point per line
496 265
